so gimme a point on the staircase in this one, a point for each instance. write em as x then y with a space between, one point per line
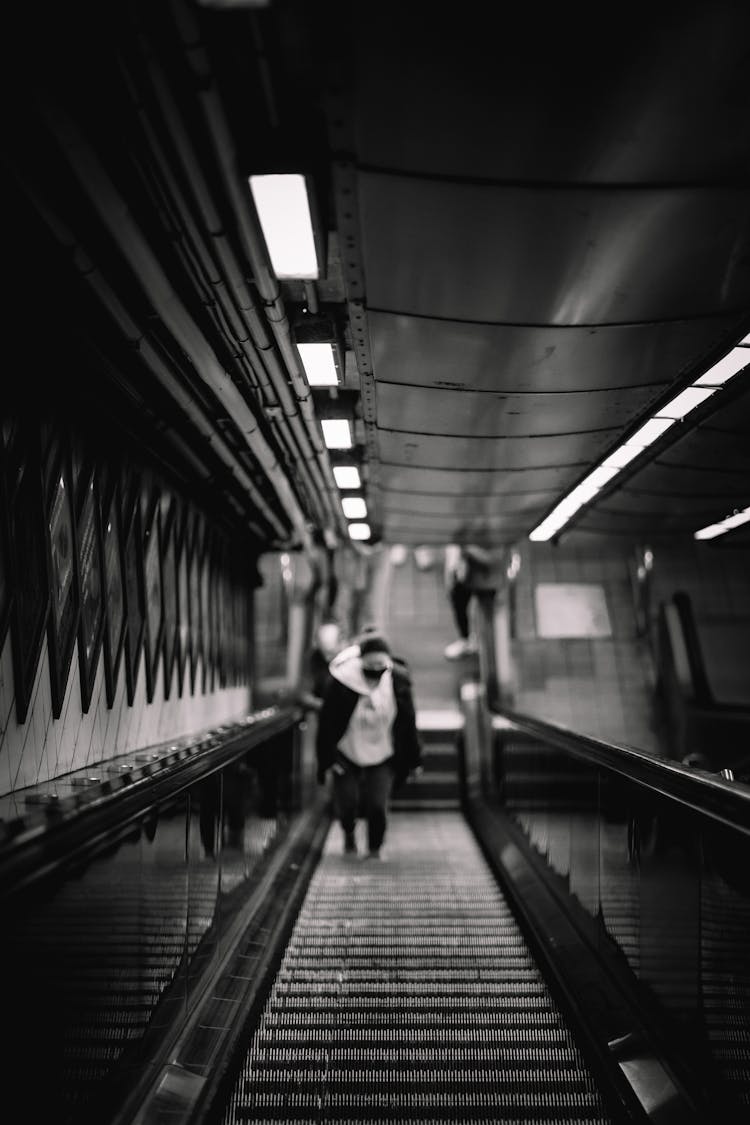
437 786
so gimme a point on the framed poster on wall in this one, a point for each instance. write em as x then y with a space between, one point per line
152 579
183 601
114 585
206 631
63 575
193 542
134 597
27 558
571 609
91 625
170 594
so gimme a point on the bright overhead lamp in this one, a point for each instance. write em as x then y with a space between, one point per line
660 421
285 216
337 433
347 476
684 402
359 531
354 507
725 369
319 364
649 432
720 528
601 476
622 456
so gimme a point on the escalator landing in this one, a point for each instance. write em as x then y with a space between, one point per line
407 992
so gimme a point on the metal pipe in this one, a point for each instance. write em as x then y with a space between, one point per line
261 348
140 343
113 210
254 245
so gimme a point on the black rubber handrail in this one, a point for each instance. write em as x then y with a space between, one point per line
727 802
72 834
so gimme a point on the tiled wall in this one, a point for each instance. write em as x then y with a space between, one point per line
97 547
43 748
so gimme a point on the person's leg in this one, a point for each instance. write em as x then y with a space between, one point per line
459 597
345 800
377 782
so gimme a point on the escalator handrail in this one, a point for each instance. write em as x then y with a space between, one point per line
727 802
71 834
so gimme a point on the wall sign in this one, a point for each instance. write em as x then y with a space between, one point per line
152 576
27 558
134 599
114 630
170 595
194 582
183 603
63 577
571 609
91 625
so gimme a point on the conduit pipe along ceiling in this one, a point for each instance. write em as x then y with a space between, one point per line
285 213
673 411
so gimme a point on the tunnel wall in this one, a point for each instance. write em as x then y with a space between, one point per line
606 685
125 610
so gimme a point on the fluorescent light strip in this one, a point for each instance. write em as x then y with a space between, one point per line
319 364
347 476
720 528
336 433
354 507
284 214
673 411
359 531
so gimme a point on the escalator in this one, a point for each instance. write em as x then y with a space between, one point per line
408 992
184 940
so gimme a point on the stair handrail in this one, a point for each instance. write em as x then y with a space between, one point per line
712 795
69 833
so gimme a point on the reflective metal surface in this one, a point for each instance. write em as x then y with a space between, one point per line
667 885
100 962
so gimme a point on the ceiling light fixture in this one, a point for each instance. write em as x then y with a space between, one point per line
347 476
661 420
337 433
720 528
354 507
319 364
359 531
282 201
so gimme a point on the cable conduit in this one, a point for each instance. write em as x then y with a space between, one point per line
112 209
85 265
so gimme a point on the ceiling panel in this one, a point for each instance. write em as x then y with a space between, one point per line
490 453
563 97
484 414
530 256
473 482
446 353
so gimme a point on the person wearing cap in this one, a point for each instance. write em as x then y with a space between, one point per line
367 736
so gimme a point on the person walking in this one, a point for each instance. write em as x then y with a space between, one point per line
467 569
367 737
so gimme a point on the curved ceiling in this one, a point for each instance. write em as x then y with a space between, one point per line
538 231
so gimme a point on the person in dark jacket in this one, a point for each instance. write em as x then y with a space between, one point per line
367 737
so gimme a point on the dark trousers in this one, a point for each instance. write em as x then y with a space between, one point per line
460 596
365 786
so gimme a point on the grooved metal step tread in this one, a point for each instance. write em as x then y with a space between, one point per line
407 992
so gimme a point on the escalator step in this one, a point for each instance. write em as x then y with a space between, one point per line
407 992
